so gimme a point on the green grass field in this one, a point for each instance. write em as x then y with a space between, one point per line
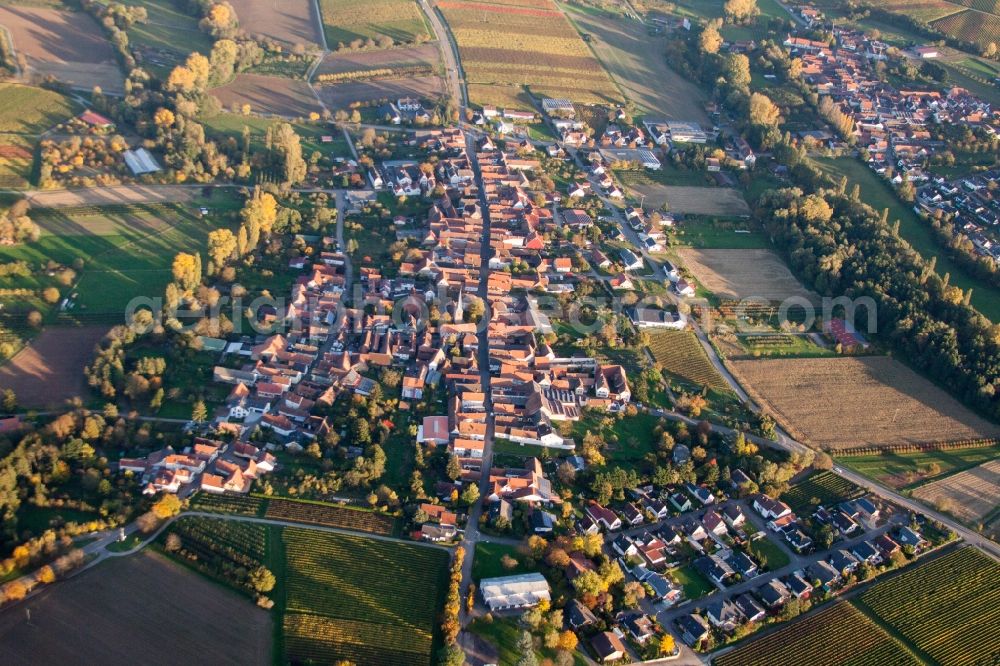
29 110
230 125
879 195
770 552
487 561
822 488
695 585
898 470
719 233
167 37
345 21
126 251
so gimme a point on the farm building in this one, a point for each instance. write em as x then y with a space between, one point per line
686 132
655 318
521 591
140 161
562 107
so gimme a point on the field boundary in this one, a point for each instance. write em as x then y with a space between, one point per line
917 447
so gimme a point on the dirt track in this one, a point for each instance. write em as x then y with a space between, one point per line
119 194
50 370
137 609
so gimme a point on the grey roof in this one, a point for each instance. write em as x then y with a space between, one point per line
514 591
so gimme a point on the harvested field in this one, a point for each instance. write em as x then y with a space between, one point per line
532 46
349 61
346 21
269 95
634 58
744 274
136 605
289 21
688 200
969 496
107 196
66 45
844 402
514 97
50 369
342 95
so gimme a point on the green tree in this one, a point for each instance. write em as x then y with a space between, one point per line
199 412
738 70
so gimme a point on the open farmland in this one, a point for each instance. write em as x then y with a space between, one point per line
691 200
329 515
141 602
534 46
289 21
269 95
898 469
50 370
922 10
843 402
68 46
126 249
948 608
343 95
634 58
820 489
346 21
366 601
744 274
681 354
972 26
26 112
167 37
426 55
970 496
836 636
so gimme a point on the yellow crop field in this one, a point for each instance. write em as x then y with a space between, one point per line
524 45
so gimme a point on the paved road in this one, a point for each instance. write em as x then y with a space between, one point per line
449 51
472 536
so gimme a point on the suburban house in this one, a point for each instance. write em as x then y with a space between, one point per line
608 647
603 516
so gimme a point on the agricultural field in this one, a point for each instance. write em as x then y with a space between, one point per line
167 38
681 354
634 59
66 45
900 469
970 496
329 515
971 26
345 22
268 95
50 370
289 21
425 55
744 274
230 125
690 200
26 112
103 615
879 195
344 95
922 10
843 402
820 489
836 636
243 505
948 609
240 542
362 600
532 46
126 249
